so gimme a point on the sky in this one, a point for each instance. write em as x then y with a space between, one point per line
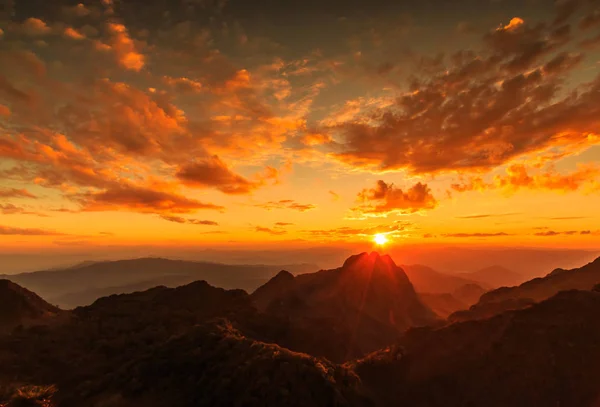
221 123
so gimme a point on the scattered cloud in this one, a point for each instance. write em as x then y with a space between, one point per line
274 232
16 193
476 235
487 215
141 199
124 48
8 230
214 173
179 219
384 199
286 204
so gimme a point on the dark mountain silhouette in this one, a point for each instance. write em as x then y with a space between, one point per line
197 345
19 306
427 280
536 290
344 312
83 283
546 355
495 276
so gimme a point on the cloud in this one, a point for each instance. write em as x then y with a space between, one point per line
15 193
124 48
474 111
476 235
514 23
4 111
286 204
489 215
8 230
141 199
518 177
551 233
183 84
346 233
178 219
214 173
10 209
385 198
73 34
282 224
334 196
270 231
35 27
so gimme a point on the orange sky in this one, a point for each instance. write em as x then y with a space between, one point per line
212 123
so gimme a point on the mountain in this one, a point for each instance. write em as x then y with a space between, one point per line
344 312
84 283
443 305
546 355
495 276
185 346
198 345
530 263
19 306
536 290
427 280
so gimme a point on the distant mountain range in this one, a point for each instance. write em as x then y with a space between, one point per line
533 291
304 340
83 283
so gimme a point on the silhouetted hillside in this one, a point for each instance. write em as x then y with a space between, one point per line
536 290
19 306
84 283
546 355
495 276
345 312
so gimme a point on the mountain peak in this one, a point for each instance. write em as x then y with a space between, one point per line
20 306
283 275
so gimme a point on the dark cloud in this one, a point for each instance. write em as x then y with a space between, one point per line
8 230
270 231
15 193
550 233
140 199
179 219
386 198
212 172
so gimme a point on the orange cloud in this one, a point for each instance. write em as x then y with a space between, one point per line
476 235
8 230
514 23
73 34
286 204
15 193
518 177
140 199
124 48
270 231
4 111
385 199
35 27
183 84
178 219
212 172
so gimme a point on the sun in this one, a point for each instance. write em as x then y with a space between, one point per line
380 239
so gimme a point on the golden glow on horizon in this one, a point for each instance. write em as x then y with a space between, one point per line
380 239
